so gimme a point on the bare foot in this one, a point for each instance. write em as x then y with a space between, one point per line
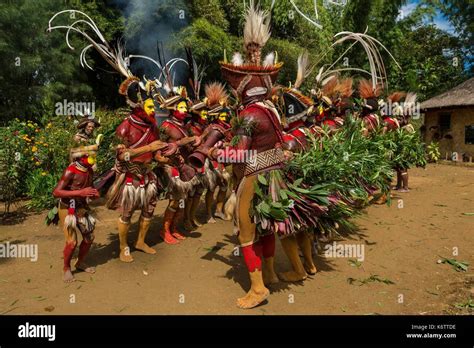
68 277
310 269
145 248
291 276
222 216
169 239
84 268
178 235
125 255
211 220
252 299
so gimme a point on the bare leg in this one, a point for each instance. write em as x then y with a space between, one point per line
251 250
404 175
290 246
123 228
168 221
209 201
194 207
84 248
399 180
70 245
144 226
305 244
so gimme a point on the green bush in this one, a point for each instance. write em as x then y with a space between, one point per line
33 157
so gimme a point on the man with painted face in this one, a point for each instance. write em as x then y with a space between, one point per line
215 112
136 185
74 189
182 178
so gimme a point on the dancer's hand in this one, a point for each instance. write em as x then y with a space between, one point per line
88 192
169 150
197 141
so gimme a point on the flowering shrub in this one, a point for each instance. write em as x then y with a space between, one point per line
33 157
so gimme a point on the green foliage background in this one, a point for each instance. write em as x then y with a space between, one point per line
38 70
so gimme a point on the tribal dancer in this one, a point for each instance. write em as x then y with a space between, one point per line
136 185
74 189
260 139
216 178
174 130
260 136
391 110
298 114
370 105
404 122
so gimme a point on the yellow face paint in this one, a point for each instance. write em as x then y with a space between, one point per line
204 114
321 109
223 116
91 160
149 107
182 107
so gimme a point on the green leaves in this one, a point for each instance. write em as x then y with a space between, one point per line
371 279
457 265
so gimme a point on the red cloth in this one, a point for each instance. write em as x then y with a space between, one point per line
253 256
268 245
174 172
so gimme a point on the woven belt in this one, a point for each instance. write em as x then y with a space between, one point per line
263 160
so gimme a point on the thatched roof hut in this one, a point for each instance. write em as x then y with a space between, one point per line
461 95
449 121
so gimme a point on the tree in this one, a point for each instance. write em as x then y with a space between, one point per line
38 70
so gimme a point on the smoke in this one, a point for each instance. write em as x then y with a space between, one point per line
148 22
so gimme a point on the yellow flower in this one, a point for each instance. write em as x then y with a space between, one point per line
44 173
37 163
45 144
34 149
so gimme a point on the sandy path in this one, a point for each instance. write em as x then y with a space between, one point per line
203 276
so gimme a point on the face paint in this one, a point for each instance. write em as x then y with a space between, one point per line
91 160
181 111
149 107
182 107
87 161
223 116
204 115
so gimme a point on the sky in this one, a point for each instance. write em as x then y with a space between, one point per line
440 21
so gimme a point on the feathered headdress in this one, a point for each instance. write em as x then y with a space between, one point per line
256 32
369 94
250 78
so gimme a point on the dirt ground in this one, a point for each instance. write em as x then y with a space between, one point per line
402 242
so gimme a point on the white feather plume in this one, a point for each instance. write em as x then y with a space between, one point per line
269 59
257 25
237 59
